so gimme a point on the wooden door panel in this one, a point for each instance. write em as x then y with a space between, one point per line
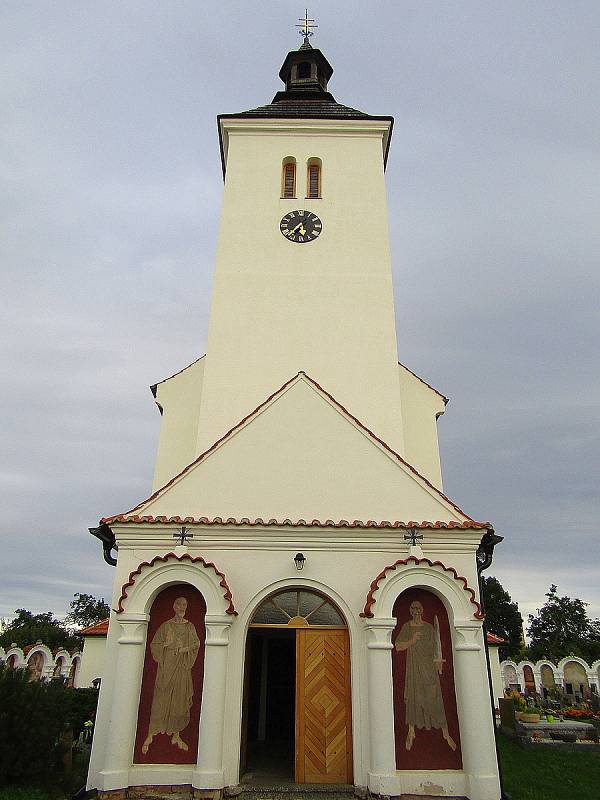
323 718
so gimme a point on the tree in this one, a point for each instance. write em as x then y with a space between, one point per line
27 628
86 610
502 617
562 628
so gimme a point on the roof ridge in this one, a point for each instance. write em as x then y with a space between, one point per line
255 412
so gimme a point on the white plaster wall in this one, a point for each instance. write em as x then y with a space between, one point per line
421 406
256 562
300 458
92 664
497 678
179 399
325 307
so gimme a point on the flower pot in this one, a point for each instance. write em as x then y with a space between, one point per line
530 717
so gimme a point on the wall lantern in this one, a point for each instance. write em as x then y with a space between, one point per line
299 560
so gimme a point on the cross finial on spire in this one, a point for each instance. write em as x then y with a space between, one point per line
306 23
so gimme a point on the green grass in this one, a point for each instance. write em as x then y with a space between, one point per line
50 787
545 774
23 793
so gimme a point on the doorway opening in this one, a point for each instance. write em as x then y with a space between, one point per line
271 692
296 715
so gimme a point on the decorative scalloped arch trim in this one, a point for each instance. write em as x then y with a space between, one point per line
569 659
185 557
371 600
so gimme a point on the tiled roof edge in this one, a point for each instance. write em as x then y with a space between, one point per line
300 523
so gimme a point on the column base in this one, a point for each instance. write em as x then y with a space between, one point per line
205 780
111 779
425 783
386 784
484 787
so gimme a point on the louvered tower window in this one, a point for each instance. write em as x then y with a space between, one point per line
313 188
288 188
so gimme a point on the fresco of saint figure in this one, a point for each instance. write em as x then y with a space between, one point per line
174 648
424 664
35 665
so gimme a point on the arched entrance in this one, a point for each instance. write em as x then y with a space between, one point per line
296 722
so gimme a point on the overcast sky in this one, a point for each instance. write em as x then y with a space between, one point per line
110 199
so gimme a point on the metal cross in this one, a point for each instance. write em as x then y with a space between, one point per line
305 25
183 535
412 535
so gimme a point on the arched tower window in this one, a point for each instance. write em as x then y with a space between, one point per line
313 178
288 177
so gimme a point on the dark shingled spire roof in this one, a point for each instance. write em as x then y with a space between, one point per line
305 73
328 109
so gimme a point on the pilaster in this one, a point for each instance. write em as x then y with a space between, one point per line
474 711
209 768
382 779
125 700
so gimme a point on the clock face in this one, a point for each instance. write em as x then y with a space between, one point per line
300 226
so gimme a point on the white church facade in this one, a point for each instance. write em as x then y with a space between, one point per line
297 601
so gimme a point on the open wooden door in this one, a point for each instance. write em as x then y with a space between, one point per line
323 706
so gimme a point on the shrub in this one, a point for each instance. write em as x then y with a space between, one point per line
33 715
519 701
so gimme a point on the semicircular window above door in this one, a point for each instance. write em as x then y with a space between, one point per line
297 608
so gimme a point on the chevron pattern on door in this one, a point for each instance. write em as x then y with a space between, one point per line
323 707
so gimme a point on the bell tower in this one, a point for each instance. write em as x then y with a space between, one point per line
303 274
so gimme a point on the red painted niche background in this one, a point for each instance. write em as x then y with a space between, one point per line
161 750
429 749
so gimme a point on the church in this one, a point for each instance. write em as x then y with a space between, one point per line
297 601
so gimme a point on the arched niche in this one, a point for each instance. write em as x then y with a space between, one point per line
547 675
510 674
426 725
528 678
39 660
173 676
575 676
74 671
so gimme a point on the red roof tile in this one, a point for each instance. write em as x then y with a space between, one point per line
128 516
495 640
97 629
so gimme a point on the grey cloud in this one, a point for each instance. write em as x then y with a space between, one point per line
110 204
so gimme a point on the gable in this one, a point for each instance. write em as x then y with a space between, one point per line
301 456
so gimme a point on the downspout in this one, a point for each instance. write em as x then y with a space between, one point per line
485 555
107 537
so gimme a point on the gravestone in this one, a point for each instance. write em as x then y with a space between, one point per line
507 713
